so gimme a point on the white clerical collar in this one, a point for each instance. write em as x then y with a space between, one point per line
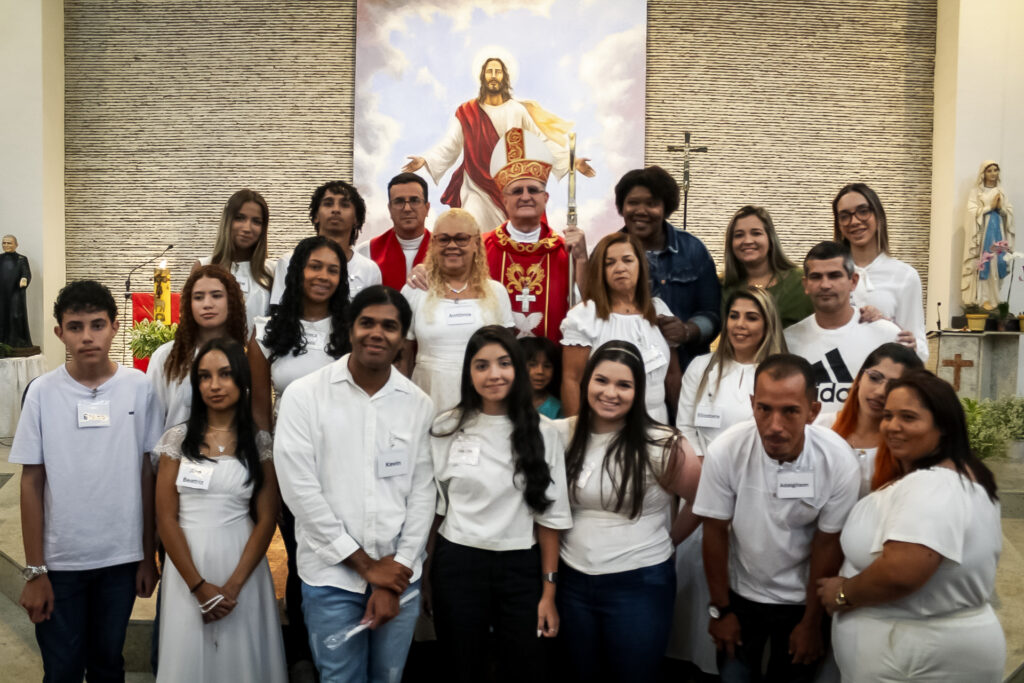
523 237
410 245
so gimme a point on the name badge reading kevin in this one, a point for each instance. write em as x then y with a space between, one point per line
707 416
465 450
794 484
392 463
93 414
195 475
459 315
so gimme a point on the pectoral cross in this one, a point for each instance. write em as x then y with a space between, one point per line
956 363
525 298
687 151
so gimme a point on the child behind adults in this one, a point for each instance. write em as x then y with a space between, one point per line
85 432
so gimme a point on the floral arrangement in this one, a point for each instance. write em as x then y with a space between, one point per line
149 335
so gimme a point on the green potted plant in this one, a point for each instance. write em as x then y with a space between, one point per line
986 429
976 317
148 335
1009 413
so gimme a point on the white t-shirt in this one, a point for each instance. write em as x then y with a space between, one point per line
603 541
939 509
441 330
837 354
702 418
481 498
894 288
174 398
288 368
362 272
257 297
582 327
770 537
92 500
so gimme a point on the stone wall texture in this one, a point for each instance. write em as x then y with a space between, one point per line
172 105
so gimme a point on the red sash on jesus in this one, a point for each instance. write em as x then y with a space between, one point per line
387 253
478 141
536 277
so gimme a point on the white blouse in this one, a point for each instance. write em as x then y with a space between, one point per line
702 418
480 495
603 541
582 327
944 511
257 297
175 398
441 330
894 288
288 368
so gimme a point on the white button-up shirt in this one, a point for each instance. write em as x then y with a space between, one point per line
331 440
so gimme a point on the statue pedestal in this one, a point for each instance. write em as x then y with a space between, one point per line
980 364
15 374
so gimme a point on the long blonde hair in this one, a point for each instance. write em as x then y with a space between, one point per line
772 342
224 247
479 277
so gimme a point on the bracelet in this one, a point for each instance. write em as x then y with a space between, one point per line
208 606
197 586
841 596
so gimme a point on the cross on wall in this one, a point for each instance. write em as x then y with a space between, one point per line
956 363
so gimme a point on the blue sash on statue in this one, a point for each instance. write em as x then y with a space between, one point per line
993 234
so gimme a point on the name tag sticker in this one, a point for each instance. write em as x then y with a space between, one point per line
93 414
195 475
584 477
707 416
465 450
795 485
243 284
392 463
653 359
459 315
315 340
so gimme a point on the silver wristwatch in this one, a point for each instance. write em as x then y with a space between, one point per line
550 577
29 573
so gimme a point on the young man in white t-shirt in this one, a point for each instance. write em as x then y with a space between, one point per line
353 461
84 436
774 494
833 339
337 211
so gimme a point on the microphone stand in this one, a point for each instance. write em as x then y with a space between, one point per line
128 295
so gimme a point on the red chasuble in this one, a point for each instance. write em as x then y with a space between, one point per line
536 277
387 253
478 141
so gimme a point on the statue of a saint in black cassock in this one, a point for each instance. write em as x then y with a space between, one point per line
14 278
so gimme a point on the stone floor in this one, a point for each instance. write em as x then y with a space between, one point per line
20 656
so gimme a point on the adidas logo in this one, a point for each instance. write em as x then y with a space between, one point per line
834 386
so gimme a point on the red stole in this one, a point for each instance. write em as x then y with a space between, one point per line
539 270
478 141
387 253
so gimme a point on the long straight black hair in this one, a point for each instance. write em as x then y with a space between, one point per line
939 398
245 429
627 457
527 443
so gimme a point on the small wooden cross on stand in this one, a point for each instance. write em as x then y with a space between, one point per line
956 363
687 151
525 298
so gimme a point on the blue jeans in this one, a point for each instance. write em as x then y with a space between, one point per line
375 655
85 634
615 626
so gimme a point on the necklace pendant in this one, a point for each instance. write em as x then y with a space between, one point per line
220 448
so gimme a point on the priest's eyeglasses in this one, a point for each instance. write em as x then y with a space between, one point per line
400 202
528 189
862 212
443 240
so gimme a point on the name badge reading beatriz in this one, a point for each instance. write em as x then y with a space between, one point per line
795 484
93 414
195 475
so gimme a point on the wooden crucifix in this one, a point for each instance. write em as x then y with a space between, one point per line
956 363
687 151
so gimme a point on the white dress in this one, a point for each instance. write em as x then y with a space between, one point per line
245 645
582 327
257 297
894 288
441 330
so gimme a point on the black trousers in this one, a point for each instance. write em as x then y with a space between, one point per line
762 624
475 591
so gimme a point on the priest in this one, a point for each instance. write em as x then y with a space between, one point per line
405 244
14 278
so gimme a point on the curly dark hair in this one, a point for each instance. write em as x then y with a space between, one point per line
627 459
284 329
527 442
179 360
245 428
84 296
349 192
656 179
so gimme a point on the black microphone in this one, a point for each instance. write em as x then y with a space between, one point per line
938 320
128 280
